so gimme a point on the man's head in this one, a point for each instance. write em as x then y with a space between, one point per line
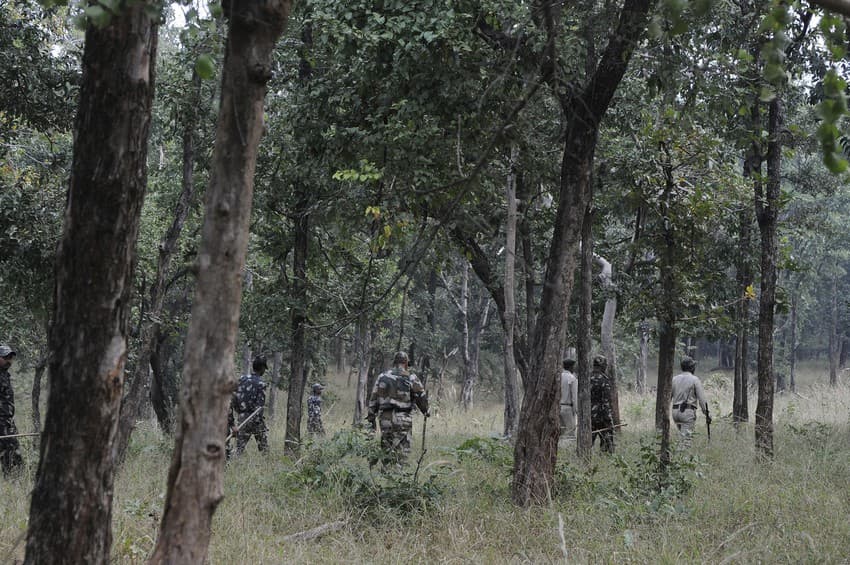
600 362
317 388
688 364
260 364
401 358
569 364
7 355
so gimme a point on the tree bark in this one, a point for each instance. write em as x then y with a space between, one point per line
295 398
767 212
537 437
740 405
71 508
277 362
606 333
131 405
792 347
643 356
584 437
511 389
195 479
364 357
36 390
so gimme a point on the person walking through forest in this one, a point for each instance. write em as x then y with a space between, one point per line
687 395
601 411
391 403
10 456
250 395
314 411
569 399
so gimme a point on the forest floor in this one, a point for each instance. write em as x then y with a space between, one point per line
722 505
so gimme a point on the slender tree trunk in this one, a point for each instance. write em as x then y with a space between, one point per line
364 356
131 406
607 334
295 399
584 437
195 479
740 405
277 363
664 389
511 389
767 211
524 228
40 367
792 346
463 308
71 508
643 356
834 341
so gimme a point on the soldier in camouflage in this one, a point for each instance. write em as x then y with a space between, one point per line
10 456
314 411
390 404
250 394
601 411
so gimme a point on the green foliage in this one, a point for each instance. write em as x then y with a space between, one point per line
495 451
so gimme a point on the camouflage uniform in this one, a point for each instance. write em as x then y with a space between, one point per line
687 394
314 412
250 394
10 456
391 402
601 412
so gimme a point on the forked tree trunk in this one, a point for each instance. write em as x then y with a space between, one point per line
584 437
131 405
71 509
767 212
195 479
537 438
511 389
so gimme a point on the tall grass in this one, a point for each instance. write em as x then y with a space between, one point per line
725 506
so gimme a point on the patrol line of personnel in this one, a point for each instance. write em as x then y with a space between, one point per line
394 395
687 395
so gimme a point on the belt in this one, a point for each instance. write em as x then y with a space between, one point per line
566 404
684 406
394 409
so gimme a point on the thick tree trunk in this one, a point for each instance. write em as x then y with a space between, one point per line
584 437
511 389
131 405
767 211
195 479
71 508
537 437
295 398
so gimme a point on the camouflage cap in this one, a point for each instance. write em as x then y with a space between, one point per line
318 387
600 361
6 351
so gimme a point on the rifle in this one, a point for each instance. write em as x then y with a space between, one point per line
242 424
21 435
611 428
424 450
708 425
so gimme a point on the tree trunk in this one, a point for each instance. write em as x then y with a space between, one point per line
527 261
740 404
511 389
364 356
463 308
664 389
792 346
767 211
295 398
71 509
607 334
643 357
834 341
131 405
195 479
271 409
584 437
36 390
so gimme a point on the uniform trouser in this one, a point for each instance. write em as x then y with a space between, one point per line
255 428
10 455
568 420
315 426
686 422
602 426
396 436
